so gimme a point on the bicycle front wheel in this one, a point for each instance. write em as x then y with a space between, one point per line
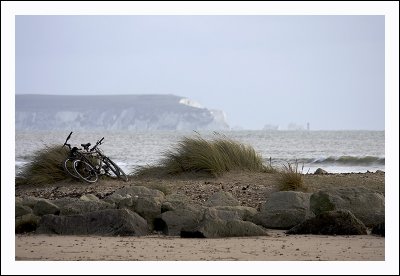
115 169
85 171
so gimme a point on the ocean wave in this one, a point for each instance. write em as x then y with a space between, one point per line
350 160
364 161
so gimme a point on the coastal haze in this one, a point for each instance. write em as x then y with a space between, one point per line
274 72
116 112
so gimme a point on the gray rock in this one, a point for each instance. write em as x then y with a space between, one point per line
148 207
222 199
216 228
111 222
139 191
144 201
72 206
21 210
379 229
89 197
45 207
177 202
284 210
172 222
338 222
244 212
30 201
320 171
212 213
116 199
18 200
26 223
366 205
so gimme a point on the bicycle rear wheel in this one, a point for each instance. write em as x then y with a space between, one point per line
68 166
115 169
85 171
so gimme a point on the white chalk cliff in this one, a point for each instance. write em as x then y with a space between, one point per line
117 112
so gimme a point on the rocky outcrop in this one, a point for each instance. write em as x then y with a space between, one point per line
368 206
111 222
283 210
338 222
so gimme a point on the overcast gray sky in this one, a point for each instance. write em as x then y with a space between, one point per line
267 69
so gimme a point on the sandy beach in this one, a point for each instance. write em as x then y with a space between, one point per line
276 247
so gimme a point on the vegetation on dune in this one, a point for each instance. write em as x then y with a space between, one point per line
45 167
290 178
191 155
215 157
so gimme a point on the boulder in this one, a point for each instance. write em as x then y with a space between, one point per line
213 213
89 197
320 171
177 202
45 207
217 228
139 191
338 222
72 206
148 207
379 229
222 199
120 202
365 204
244 212
144 201
283 210
172 222
30 201
26 223
110 222
21 210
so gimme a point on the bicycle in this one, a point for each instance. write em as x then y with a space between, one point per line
89 164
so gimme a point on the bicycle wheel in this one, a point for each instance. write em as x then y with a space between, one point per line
109 164
68 166
85 171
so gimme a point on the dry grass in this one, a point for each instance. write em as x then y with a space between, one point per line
45 167
290 178
215 157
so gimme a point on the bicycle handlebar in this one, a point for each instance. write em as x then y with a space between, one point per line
65 143
97 143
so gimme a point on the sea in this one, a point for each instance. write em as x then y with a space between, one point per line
333 151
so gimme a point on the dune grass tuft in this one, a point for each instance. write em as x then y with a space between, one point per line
215 157
45 167
290 178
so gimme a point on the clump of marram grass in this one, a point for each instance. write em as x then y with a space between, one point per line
290 178
45 167
215 157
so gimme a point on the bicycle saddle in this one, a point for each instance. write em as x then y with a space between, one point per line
86 146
